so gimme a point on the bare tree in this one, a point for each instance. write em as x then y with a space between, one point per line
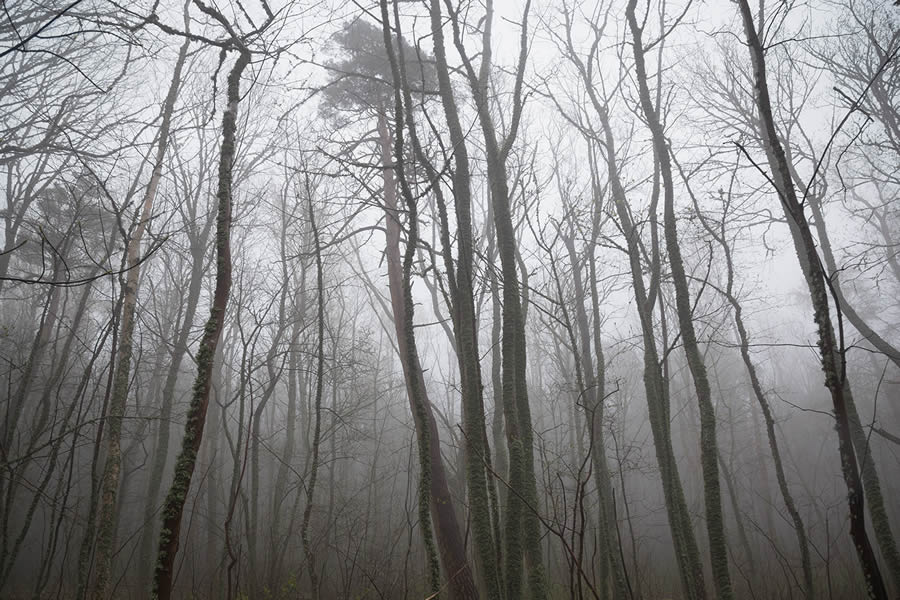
832 354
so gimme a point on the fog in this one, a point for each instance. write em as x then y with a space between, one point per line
548 299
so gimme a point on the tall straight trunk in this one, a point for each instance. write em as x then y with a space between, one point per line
317 403
762 401
611 566
881 525
715 524
762 469
264 566
521 528
259 564
465 322
290 443
173 508
731 486
501 458
111 473
831 355
687 555
435 490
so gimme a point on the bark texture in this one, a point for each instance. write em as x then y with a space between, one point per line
831 354
163 577
435 489
107 519
715 524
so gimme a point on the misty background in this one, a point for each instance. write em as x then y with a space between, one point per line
419 299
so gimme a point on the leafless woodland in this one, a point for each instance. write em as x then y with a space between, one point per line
408 299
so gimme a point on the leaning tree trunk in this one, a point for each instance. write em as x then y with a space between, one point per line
831 355
611 566
317 404
715 525
435 492
690 567
521 528
110 483
881 525
193 432
465 320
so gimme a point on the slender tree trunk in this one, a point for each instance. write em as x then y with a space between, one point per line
173 508
715 524
290 443
501 457
317 403
687 555
738 517
522 529
110 484
686 552
465 321
434 480
762 401
593 399
832 355
423 418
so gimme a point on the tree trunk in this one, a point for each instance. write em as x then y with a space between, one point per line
593 394
110 484
435 492
486 546
522 529
762 401
317 403
881 525
173 508
715 525
687 555
832 356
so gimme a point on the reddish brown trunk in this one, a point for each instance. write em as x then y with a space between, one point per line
447 531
